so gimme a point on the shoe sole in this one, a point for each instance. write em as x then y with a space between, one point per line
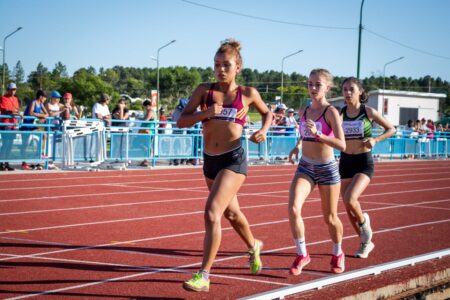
301 269
367 254
190 288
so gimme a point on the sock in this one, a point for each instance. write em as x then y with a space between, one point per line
337 249
205 274
300 244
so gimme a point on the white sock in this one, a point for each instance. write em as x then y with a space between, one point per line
300 244
337 249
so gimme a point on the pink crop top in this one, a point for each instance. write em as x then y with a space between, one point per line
321 124
233 112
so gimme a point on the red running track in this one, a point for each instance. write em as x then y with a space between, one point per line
138 234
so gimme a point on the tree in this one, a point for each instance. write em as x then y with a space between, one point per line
60 71
18 73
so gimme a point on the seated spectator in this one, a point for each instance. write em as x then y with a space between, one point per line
120 112
71 110
55 108
36 108
431 128
100 109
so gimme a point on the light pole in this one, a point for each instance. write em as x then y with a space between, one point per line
282 67
384 81
4 55
384 70
157 72
359 39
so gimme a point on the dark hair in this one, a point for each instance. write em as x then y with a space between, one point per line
363 98
146 102
231 46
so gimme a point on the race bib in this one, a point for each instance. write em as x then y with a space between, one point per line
227 114
353 129
306 133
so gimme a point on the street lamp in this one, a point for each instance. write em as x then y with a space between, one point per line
4 54
359 39
384 70
384 82
157 72
282 67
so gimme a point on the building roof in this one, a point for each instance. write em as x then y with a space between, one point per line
398 93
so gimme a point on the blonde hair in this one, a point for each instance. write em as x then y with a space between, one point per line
231 46
323 73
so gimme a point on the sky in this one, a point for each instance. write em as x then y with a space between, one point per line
106 33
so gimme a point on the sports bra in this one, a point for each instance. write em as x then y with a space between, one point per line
359 127
232 112
321 124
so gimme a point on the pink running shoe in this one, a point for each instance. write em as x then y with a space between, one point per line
298 264
338 263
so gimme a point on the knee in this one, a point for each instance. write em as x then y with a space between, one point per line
231 216
211 217
295 211
350 199
331 219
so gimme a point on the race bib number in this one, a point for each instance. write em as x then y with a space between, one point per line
306 133
353 129
227 114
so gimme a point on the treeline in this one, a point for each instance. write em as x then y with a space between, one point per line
86 84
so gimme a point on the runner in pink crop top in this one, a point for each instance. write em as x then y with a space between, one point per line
233 112
321 125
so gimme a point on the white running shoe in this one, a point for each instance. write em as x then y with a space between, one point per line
366 230
364 250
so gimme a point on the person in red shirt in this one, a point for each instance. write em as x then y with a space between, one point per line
9 105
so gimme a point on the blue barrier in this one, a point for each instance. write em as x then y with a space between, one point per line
147 140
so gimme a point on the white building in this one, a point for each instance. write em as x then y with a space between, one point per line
400 106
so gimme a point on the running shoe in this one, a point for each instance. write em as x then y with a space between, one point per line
338 263
299 263
364 250
39 167
255 259
366 230
25 166
197 283
2 167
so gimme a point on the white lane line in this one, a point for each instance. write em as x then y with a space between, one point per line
188 233
176 269
168 215
156 189
184 180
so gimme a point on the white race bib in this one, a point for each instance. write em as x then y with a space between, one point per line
353 129
227 114
306 133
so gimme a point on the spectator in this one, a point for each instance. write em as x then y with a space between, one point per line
409 129
440 128
9 105
147 126
71 110
36 108
120 112
162 120
290 123
100 109
55 108
431 128
175 116
423 126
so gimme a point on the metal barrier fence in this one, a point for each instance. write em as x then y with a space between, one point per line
162 141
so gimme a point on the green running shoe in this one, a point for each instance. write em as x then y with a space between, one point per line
255 259
197 283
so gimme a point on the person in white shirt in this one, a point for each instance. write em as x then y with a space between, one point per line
100 109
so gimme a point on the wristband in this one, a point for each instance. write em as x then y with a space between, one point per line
318 135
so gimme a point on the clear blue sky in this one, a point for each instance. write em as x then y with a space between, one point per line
105 33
